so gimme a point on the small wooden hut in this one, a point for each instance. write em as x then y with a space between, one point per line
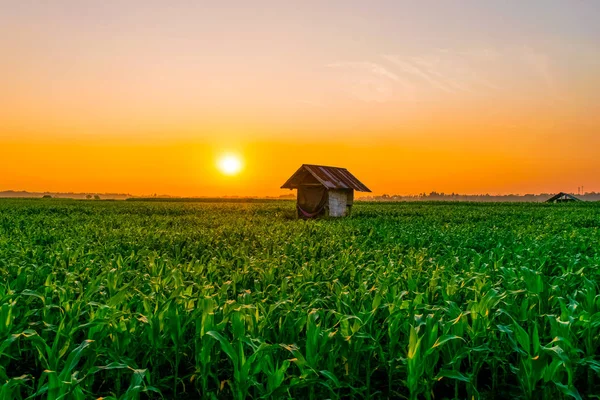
324 191
562 197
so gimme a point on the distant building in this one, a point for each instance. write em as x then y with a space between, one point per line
562 197
324 191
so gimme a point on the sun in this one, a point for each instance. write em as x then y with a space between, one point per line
230 164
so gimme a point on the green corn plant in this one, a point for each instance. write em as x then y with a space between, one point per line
204 347
454 352
151 299
276 374
589 323
423 353
244 368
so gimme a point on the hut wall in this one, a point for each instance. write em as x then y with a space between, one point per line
349 201
338 203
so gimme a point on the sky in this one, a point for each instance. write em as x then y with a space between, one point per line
144 97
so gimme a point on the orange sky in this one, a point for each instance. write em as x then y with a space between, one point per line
143 98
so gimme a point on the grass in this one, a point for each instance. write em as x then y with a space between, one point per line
130 300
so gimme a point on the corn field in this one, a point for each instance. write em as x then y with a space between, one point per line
151 300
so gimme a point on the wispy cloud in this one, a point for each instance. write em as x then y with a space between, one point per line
374 68
372 82
540 65
446 73
410 67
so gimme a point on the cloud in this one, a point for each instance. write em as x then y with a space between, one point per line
540 66
372 82
465 68
374 68
408 66
440 74
450 71
479 54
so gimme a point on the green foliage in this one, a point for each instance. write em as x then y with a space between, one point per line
135 300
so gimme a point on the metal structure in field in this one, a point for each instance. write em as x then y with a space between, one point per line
324 191
562 197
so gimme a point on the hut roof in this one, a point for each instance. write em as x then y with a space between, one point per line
330 177
562 196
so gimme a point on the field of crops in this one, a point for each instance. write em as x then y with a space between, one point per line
136 300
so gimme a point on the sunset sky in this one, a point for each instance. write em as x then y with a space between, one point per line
144 97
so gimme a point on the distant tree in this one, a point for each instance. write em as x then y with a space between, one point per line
96 197
89 196
46 196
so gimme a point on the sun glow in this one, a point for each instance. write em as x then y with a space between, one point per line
230 164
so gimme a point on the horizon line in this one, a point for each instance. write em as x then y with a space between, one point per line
433 193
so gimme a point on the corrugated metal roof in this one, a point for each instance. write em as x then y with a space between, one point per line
562 196
330 177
